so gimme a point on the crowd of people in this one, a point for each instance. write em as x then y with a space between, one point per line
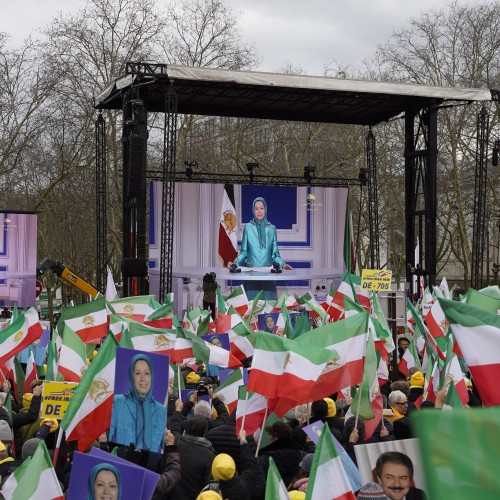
204 456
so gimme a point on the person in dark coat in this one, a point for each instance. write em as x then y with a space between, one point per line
247 485
196 455
225 440
284 450
171 468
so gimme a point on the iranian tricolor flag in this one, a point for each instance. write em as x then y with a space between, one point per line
250 410
15 372
149 339
275 487
31 372
328 479
436 321
346 340
72 357
136 308
452 401
241 336
20 334
286 368
289 301
89 411
284 323
14 479
345 289
312 305
162 317
238 299
183 347
410 358
89 321
52 360
368 403
208 353
38 480
228 391
228 238
349 251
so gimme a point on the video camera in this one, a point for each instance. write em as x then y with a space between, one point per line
202 386
209 277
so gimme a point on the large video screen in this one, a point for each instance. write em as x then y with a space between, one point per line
310 224
18 244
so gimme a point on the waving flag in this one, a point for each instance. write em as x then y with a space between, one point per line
228 238
39 479
252 407
89 321
346 339
228 391
477 332
275 487
136 308
73 356
89 410
286 368
327 479
20 334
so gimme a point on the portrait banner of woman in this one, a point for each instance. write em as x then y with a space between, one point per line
259 248
94 478
139 415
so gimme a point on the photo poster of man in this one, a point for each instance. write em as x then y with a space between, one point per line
90 473
139 415
268 322
367 455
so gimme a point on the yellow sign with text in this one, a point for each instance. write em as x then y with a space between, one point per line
375 280
56 397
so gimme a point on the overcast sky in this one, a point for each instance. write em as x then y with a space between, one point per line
306 34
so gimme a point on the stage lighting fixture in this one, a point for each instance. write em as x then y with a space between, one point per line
190 167
309 172
251 167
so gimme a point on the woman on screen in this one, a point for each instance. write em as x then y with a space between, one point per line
259 248
136 417
104 483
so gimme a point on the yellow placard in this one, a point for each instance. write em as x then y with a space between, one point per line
56 397
375 280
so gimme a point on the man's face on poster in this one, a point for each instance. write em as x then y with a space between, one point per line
395 480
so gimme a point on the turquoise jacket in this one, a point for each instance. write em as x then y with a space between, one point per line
253 254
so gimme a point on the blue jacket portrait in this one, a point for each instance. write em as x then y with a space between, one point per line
136 418
259 248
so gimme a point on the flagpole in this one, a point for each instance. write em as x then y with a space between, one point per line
262 431
244 411
58 445
359 405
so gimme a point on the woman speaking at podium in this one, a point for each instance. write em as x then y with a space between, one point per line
259 248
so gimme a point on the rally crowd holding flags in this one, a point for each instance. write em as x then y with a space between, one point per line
329 366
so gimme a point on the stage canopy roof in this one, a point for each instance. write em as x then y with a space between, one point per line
248 94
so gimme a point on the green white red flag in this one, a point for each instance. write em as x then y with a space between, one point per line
89 410
208 353
72 357
250 410
452 401
13 481
328 479
228 238
346 289
150 339
312 305
89 321
367 404
346 339
477 333
20 334
238 299
38 480
228 391
286 368
275 487
31 373
410 358
136 308
289 301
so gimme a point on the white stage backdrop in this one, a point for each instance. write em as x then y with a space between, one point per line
310 226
